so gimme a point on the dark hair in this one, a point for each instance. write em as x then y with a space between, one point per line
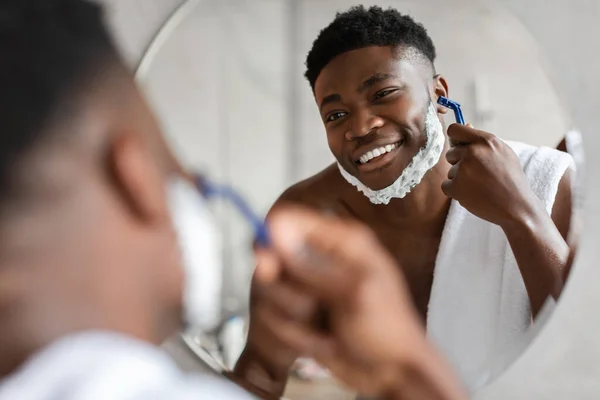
360 27
49 49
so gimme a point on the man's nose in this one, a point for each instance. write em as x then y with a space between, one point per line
363 123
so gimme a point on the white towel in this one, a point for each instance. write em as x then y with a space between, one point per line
110 366
574 141
479 309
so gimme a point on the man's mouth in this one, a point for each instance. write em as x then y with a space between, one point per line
375 154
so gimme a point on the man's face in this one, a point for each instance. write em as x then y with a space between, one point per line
373 102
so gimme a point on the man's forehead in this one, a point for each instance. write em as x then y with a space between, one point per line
357 68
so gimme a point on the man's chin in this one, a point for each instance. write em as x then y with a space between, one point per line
374 180
377 179
377 183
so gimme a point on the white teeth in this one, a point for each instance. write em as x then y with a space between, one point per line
376 153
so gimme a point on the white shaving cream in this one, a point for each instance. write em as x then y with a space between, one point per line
412 175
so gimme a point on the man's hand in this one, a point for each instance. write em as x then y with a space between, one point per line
487 179
372 339
266 360
486 176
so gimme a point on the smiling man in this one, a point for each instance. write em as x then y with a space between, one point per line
487 218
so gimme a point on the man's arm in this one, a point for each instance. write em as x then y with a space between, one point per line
487 179
249 387
261 377
538 242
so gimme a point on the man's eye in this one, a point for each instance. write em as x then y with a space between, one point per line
384 93
335 116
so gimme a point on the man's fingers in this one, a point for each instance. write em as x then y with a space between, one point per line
463 134
453 171
447 188
290 301
268 266
455 154
302 338
323 276
294 230
266 342
291 227
325 254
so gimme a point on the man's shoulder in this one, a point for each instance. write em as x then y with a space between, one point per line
317 191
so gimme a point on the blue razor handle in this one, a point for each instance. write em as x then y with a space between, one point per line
454 106
212 190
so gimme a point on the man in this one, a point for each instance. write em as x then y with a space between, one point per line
488 217
107 247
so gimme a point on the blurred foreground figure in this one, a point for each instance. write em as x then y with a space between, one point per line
107 247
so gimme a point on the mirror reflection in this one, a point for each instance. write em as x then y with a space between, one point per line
293 103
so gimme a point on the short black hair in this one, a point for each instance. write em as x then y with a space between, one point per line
361 27
49 50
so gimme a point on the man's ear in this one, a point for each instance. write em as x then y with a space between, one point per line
440 88
137 177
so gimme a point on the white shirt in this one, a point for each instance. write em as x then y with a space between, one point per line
108 366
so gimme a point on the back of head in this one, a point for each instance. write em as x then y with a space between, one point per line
50 50
85 237
361 27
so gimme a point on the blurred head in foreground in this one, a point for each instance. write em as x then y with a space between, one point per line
91 199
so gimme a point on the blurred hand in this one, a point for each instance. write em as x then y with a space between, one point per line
486 176
266 361
372 339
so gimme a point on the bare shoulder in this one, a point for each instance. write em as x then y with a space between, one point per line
321 191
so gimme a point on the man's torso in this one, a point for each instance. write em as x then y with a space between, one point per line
414 246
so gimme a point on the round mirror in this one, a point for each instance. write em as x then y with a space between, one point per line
225 79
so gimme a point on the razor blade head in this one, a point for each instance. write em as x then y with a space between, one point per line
454 106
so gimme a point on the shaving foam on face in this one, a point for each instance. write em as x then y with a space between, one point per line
412 175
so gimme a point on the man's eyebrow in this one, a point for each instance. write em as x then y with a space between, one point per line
374 80
332 98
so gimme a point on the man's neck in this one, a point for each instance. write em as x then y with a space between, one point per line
36 310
